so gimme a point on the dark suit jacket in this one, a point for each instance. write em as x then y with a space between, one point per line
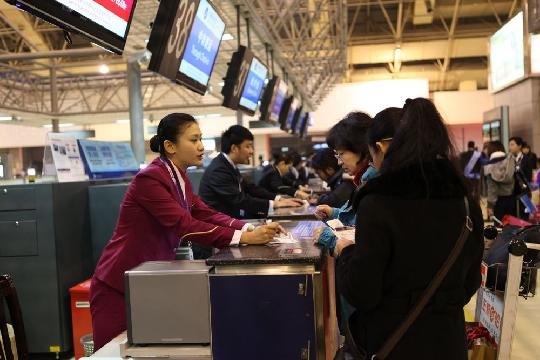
273 181
401 242
341 191
223 188
291 180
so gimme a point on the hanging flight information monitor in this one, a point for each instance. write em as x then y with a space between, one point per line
105 23
273 99
251 94
185 41
236 77
289 113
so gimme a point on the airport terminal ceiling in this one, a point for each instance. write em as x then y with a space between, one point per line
317 43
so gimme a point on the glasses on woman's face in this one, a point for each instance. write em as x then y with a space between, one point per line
387 139
339 155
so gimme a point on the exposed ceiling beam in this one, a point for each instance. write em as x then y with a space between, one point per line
23 25
91 51
420 50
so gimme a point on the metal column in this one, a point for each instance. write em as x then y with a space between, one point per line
136 110
54 100
239 118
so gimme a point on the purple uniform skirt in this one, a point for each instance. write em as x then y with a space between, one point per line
108 309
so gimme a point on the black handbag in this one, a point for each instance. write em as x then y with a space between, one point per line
351 351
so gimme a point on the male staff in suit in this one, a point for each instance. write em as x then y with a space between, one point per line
223 188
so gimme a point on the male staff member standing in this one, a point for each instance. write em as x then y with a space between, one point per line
223 188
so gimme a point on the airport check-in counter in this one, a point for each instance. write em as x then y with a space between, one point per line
51 237
275 298
45 246
262 302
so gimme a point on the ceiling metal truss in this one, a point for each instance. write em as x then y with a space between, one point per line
27 72
310 36
398 23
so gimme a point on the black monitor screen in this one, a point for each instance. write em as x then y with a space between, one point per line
251 94
279 97
105 22
293 114
185 41
307 121
300 123
201 49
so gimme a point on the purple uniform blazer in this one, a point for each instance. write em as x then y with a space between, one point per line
154 219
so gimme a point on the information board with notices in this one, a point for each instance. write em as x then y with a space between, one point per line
63 159
102 157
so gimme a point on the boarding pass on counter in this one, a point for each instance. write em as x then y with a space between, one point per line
341 231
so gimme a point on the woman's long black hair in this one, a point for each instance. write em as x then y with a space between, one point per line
422 136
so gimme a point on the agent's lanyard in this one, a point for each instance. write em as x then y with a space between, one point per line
176 182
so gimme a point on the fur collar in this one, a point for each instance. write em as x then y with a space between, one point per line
435 179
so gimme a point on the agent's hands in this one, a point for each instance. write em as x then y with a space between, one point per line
289 202
301 195
261 235
323 212
304 188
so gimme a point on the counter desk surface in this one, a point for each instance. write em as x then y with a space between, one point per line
293 213
304 251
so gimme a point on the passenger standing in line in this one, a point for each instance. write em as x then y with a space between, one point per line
499 172
273 178
522 175
408 220
515 146
377 137
158 213
530 158
471 164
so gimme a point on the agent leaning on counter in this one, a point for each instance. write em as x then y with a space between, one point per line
158 212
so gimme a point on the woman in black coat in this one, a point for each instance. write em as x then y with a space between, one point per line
408 220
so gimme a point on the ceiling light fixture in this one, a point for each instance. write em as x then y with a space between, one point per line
227 37
104 69
49 126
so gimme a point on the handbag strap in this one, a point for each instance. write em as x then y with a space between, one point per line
428 293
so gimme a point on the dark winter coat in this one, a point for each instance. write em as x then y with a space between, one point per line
407 223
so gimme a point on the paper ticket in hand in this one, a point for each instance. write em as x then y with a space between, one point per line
341 231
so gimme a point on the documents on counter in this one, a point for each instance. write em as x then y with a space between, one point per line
287 238
341 231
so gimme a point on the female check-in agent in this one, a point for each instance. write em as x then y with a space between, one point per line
160 211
